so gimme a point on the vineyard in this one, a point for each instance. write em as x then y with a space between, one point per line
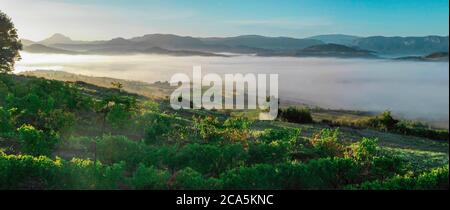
75 135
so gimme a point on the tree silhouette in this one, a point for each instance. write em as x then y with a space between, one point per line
9 44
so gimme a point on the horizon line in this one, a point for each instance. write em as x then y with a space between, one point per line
308 37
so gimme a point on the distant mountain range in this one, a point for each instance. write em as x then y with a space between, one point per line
341 39
417 46
335 50
40 48
334 45
439 56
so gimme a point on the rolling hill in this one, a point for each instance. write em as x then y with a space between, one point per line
39 48
335 45
341 39
404 46
334 50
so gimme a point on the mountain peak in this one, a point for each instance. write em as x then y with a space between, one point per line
57 39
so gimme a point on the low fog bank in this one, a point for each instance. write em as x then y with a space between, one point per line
412 90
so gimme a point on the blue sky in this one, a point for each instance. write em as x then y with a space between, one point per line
102 19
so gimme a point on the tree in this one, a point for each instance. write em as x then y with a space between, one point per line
9 44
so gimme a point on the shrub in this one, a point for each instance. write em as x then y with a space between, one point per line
6 121
118 116
189 179
384 122
435 134
36 142
431 180
257 177
283 134
157 126
326 143
84 174
20 171
274 152
208 128
384 167
297 176
296 115
363 150
114 149
237 123
210 159
334 173
60 121
149 178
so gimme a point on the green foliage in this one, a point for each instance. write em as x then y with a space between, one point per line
329 173
149 178
18 171
326 143
36 142
258 177
9 44
157 127
333 173
237 123
364 150
6 121
118 117
274 152
233 130
296 115
386 166
117 110
189 179
24 171
384 122
208 128
283 134
46 105
114 149
150 148
431 180
414 130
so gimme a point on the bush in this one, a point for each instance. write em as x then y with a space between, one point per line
149 178
297 176
233 130
25 172
364 150
333 173
328 173
189 179
283 134
296 115
257 177
208 128
156 127
384 167
210 159
6 121
432 180
326 143
237 123
435 134
114 149
36 142
84 174
118 116
274 152
384 122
